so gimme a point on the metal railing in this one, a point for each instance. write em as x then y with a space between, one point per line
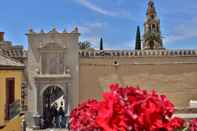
13 110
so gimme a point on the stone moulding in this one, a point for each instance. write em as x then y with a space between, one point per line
53 76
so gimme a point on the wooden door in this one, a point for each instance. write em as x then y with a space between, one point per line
10 94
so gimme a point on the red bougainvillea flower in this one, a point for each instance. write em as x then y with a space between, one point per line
83 117
126 109
176 123
193 125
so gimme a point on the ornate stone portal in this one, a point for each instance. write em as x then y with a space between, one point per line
53 63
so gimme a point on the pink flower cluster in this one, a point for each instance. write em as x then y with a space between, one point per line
127 109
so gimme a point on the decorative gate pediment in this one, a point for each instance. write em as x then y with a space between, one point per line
51 46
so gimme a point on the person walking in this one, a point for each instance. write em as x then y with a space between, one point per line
62 116
54 112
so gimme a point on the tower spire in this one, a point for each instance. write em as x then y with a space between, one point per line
151 11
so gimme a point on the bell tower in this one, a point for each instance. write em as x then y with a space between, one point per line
152 32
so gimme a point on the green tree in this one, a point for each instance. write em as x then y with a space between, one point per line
138 39
84 45
101 43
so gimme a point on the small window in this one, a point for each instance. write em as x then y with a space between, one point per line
116 63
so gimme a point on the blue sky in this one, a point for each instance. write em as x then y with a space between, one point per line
114 20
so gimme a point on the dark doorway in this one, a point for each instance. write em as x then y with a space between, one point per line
54 108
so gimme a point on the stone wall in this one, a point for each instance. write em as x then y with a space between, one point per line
172 75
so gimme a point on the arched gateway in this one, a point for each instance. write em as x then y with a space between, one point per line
53 77
55 107
54 94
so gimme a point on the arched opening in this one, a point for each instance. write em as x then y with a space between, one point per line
149 28
154 28
151 44
54 108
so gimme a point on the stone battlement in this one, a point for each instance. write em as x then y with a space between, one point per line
135 53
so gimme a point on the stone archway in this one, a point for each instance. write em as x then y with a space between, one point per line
53 107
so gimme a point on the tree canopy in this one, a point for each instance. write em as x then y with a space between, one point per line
84 45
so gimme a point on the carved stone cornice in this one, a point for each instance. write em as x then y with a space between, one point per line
51 76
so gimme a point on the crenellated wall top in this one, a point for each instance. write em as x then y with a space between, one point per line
136 53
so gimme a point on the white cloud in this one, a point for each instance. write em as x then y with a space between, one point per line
92 32
118 13
127 45
183 31
91 27
92 39
97 9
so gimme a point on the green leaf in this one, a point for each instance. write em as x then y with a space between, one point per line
185 129
102 87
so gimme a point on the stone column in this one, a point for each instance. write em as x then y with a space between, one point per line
36 115
37 121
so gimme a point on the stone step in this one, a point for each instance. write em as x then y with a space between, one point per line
54 129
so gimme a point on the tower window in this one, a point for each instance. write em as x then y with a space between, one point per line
149 28
151 45
154 27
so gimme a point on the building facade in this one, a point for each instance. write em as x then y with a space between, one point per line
11 78
52 67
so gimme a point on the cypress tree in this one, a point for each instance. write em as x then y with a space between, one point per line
138 39
101 44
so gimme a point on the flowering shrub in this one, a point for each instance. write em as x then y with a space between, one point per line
193 125
84 117
127 109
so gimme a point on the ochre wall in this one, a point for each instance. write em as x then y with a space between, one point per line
18 75
175 77
13 125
